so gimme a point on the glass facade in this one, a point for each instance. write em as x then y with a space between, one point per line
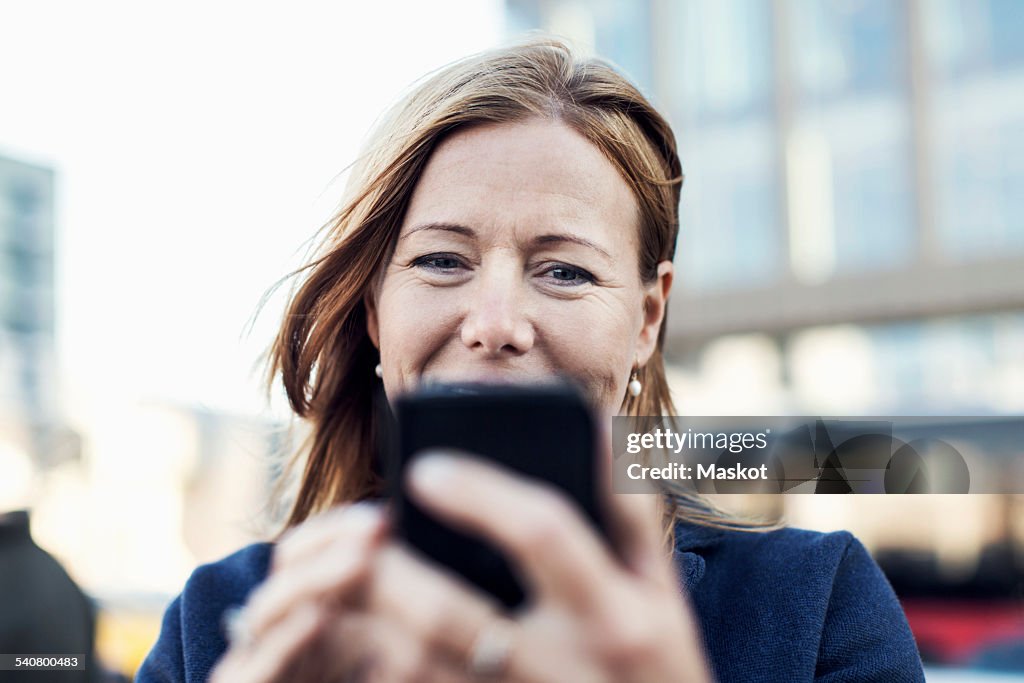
729 229
848 48
813 93
976 52
27 372
721 64
850 74
722 82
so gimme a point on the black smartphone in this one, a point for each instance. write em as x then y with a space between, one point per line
545 432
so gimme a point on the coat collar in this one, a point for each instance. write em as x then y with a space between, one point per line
692 542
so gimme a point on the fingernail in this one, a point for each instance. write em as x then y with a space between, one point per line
434 471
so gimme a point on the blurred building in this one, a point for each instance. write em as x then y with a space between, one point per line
151 490
167 487
26 289
30 410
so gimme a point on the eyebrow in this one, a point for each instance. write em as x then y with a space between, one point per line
448 227
554 238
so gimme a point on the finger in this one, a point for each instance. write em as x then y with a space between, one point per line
360 641
636 526
276 654
335 574
541 531
357 521
438 608
371 647
400 656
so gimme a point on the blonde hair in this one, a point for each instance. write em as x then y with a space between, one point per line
323 354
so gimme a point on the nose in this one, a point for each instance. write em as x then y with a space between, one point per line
495 323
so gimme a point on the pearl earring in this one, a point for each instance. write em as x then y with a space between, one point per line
379 371
634 384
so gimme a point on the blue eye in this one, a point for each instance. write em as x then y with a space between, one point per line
438 262
568 275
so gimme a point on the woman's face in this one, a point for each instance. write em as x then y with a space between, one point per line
517 261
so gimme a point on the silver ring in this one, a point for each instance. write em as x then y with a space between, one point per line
488 658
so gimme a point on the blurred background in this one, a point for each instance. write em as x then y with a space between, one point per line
852 243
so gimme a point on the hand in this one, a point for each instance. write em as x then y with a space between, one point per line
312 619
338 608
593 616
318 565
342 603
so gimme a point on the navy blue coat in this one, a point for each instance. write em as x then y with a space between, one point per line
788 605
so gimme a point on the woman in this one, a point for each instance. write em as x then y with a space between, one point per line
515 218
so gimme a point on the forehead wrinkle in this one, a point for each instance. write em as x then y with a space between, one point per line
573 209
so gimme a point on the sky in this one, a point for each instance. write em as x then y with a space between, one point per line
197 147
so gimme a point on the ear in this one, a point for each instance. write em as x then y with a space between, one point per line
372 323
655 305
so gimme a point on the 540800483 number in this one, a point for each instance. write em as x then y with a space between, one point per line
41 662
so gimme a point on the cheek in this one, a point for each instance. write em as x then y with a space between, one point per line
594 340
414 324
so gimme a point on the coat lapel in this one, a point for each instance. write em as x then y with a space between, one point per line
692 541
